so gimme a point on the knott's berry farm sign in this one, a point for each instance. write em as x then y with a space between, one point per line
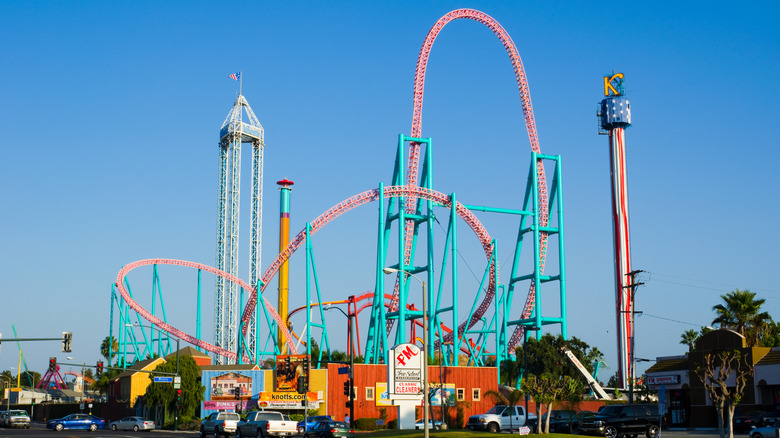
405 372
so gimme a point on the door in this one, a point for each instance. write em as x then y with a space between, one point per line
510 418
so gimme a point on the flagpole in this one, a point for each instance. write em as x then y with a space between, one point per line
240 82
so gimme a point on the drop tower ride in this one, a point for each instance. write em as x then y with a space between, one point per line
233 133
615 117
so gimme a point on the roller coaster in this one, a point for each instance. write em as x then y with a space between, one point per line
485 331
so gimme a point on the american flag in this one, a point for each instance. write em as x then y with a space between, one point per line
235 76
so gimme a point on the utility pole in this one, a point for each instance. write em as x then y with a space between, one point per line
632 364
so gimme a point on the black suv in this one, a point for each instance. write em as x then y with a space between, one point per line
624 420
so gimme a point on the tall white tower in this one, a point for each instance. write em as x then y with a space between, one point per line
233 133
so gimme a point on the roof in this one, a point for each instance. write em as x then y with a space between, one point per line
771 358
669 364
138 366
186 351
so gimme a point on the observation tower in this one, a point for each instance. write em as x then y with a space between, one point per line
232 135
615 117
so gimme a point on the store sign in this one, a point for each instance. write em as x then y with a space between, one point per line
663 380
405 372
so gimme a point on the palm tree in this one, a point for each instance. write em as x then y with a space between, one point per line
513 398
104 347
742 314
688 338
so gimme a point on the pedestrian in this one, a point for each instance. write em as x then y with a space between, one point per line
346 419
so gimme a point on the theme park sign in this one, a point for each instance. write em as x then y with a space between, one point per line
286 400
405 372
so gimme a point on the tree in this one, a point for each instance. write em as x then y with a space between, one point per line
550 377
688 338
164 394
714 372
104 350
741 312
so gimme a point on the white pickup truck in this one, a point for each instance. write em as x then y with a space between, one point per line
219 423
500 418
266 423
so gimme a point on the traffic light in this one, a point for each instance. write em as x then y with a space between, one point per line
306 367
302 387
99 368
237 392
52 364
66 338
178 396
348 404
347 387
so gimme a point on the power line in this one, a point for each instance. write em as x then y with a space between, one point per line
672 320
697 284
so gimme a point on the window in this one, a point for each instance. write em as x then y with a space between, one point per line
475 394
460 394
369 393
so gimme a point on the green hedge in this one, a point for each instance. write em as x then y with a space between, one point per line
369 424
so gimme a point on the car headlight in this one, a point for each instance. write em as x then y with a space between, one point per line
482 420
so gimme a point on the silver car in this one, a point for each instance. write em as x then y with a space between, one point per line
132 423
15 418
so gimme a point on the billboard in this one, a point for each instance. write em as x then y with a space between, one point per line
288 369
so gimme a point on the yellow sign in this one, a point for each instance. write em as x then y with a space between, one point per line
608 84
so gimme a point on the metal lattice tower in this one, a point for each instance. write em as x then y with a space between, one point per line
233 133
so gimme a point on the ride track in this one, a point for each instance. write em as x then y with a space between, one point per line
411 191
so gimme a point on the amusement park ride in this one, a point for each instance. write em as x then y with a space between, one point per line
249 328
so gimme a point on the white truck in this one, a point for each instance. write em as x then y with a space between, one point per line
266 423
500 418
219 423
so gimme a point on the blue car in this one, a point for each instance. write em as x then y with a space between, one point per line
77 421
766 431
311 421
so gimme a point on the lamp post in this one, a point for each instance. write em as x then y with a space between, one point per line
426 431
176 415
351 347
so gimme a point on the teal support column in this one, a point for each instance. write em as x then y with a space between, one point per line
456 341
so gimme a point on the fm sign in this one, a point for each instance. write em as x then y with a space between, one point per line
405 371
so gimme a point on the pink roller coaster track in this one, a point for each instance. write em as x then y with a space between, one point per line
414 154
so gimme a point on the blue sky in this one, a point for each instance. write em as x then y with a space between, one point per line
110 114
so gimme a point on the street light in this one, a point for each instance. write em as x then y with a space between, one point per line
351 347
176 416
425 347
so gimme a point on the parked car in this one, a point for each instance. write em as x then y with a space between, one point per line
432 424
557 419
77 421
132 423
219 423
770 417
266 423
627 420
330 429
766 431
748 420
15 418
500 418
311 421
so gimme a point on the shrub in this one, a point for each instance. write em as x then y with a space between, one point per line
368 423
296 417
460 418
